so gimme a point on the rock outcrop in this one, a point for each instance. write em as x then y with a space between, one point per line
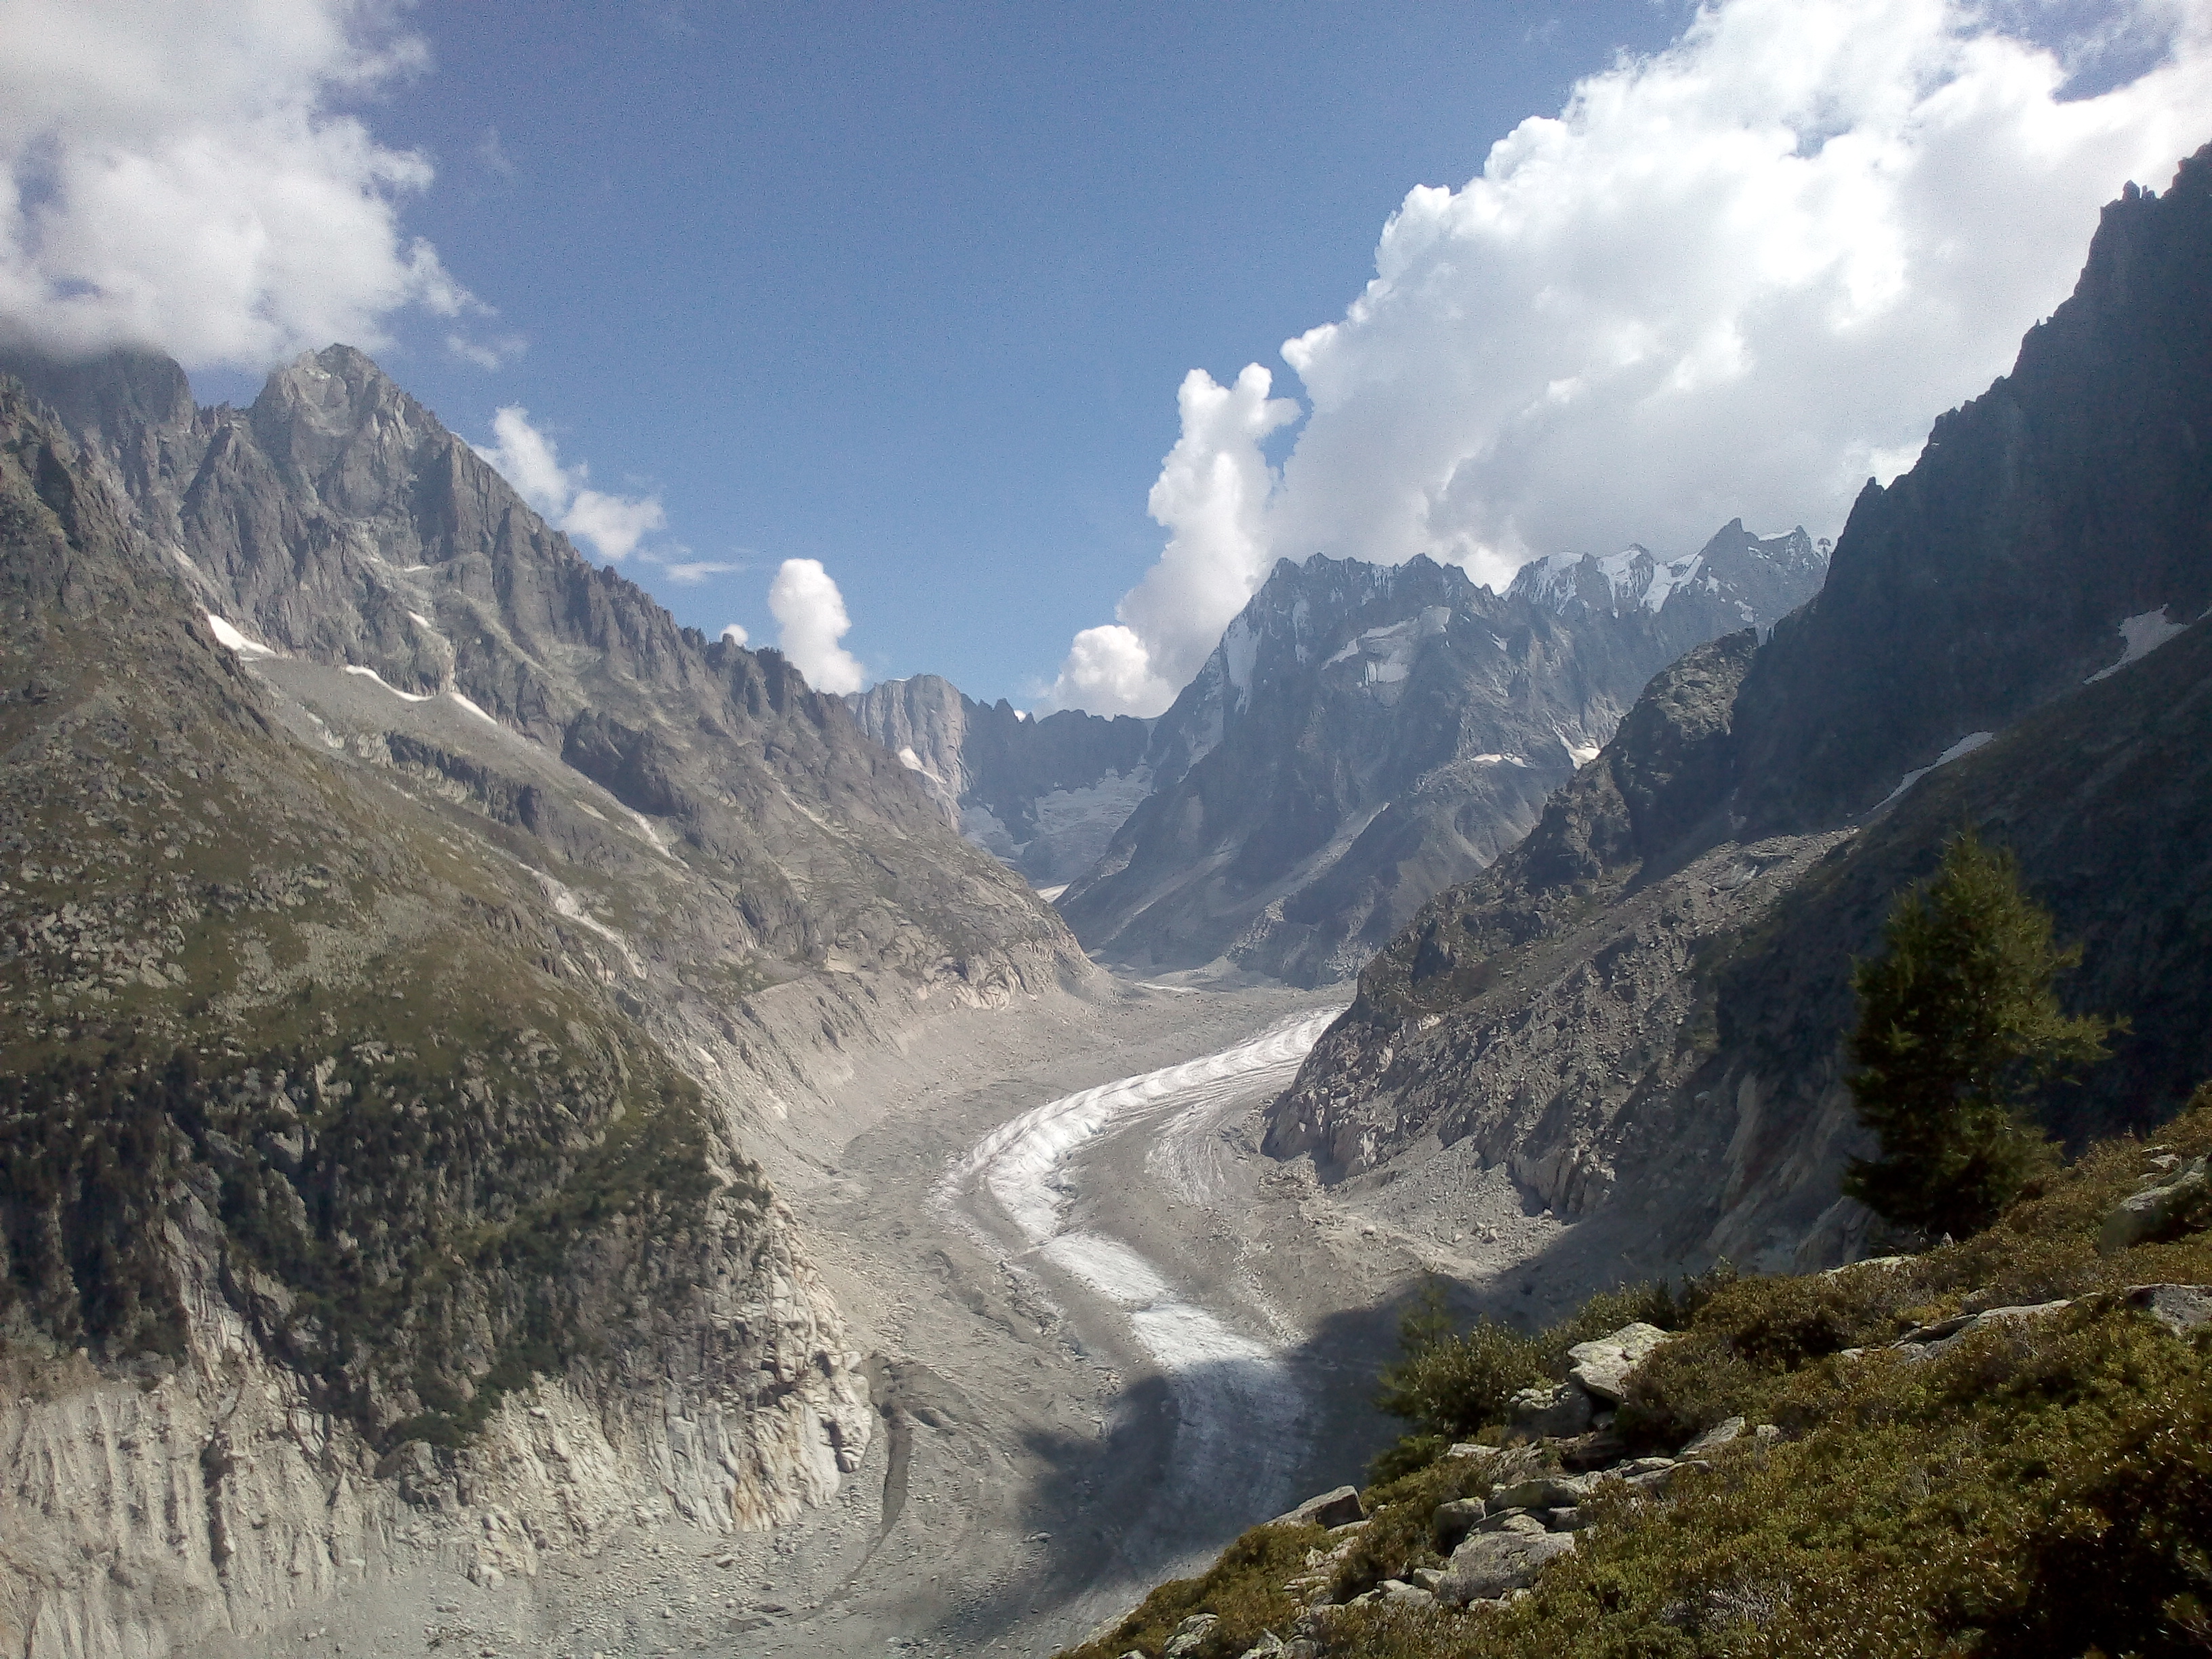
1044 795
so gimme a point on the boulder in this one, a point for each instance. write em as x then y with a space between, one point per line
1602 1366
1599 1449
2157 1211
1517 1521
1545 1492
1404 1594
1189 1635
2180 1308
1553 1413
1930 1341
1719 1435
1340 1508
1452 1522
1489 1564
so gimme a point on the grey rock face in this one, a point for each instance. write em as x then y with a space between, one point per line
1364 736
1640 1010
1491 1564
1601 1368
2180 1308
2157 1211
1044 796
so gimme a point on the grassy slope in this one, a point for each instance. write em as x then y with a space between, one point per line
2042 1488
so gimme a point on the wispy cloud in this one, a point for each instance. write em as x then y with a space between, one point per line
531 461
697 571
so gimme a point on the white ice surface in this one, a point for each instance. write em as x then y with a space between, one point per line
1025 1165
371 674
2140 636
230 638
1225 1379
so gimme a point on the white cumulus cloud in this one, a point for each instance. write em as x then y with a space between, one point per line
810 619
530 460
1734 278
735 632
178 173
1211 498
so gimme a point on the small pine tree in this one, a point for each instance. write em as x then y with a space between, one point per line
1958 1029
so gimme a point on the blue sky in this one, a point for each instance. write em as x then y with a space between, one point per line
909 290
925 293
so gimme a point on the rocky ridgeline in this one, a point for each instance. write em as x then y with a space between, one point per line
1366 735
1044 795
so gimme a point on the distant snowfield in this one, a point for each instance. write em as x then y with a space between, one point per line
2139 637
1223 1378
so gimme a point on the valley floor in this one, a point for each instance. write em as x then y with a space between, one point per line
1106 1336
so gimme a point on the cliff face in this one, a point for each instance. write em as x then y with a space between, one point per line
350 1220
1042 795
1641 1009
1364 736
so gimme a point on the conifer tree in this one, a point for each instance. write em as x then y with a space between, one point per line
1958 1029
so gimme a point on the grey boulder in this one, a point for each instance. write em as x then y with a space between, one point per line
1494 1563
1603 1365
2156 1211
2180 1308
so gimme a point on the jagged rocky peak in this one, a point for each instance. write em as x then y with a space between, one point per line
1043 795
1759 578
2043 521
1366 734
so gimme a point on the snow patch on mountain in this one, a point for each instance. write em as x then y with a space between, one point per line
2140 635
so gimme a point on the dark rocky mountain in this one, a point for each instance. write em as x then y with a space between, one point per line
1044 795
1366 735
733 829
1641 1009
349 1215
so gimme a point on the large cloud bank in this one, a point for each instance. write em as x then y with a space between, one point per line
175 173
810 617
1735 278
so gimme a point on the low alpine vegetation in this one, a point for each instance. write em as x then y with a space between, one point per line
1999 1446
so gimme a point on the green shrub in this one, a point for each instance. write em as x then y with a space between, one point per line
1242 1588
1454 1387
